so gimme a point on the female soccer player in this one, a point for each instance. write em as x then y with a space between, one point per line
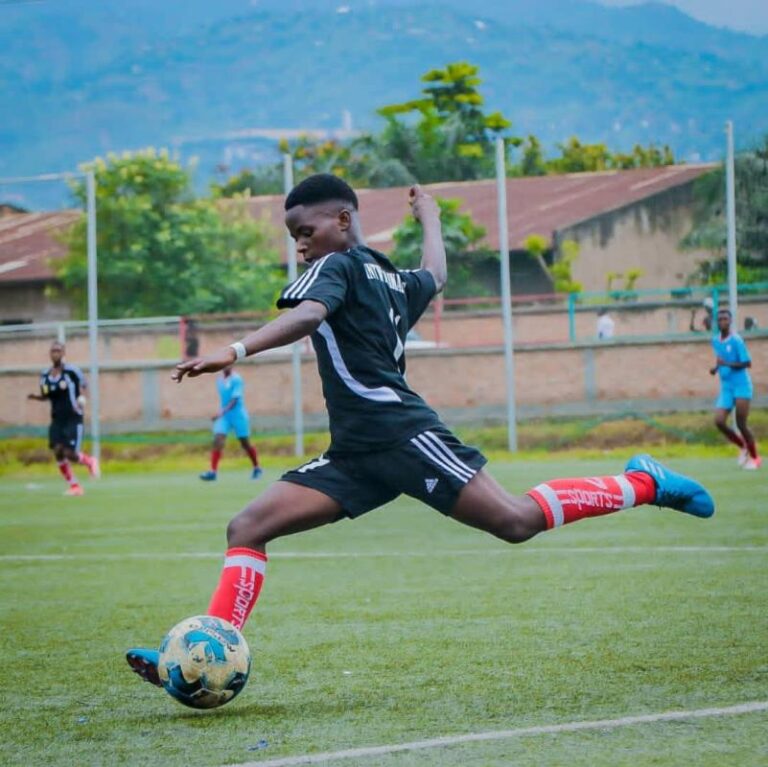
732 361
385 440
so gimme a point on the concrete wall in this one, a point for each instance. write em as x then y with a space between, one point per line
464 384
29 303
644 235
537 325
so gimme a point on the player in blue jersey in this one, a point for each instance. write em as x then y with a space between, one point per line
732 363
64 385
231 417
357 307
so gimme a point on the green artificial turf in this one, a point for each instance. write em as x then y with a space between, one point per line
399 627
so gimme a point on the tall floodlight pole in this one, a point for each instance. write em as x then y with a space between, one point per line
730 207
93 311
298 410
506 292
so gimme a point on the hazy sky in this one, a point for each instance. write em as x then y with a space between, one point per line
744 15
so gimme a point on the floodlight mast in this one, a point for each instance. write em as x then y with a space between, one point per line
93 306
298 409
93 311
506 292
730 206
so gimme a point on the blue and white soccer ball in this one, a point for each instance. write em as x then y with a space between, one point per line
204 662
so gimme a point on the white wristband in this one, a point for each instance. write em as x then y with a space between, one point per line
239 350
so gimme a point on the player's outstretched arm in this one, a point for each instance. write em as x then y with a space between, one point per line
427 213
291 326
37 397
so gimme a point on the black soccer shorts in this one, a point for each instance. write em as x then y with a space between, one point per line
433 466
67 432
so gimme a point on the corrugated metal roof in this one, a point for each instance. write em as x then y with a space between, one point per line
28 241
536 205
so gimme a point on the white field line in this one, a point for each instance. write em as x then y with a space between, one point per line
509 551
474 737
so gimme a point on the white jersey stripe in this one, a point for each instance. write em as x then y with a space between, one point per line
627 492
79 440
299 282
428 450
250 563
291 289
378 394
550 496
306 280
442 448
315 272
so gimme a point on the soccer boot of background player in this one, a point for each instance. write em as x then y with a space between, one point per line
74 490
144 662
673 490
208 476
257 472
752 464
91 463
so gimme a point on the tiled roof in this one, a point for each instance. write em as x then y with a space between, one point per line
537 205
28 241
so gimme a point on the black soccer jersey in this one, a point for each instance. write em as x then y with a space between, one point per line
63 389
360 346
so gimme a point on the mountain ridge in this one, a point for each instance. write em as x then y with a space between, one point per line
562 67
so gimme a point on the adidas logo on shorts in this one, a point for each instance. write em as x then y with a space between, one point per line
431 484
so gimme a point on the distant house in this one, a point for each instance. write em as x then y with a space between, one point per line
622 220
27 243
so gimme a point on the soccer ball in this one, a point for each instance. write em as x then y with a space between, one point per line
204 662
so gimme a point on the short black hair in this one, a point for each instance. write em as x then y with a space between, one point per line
322 187
725 311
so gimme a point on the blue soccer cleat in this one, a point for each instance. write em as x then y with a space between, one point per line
144 662
257 472
673 490
208 476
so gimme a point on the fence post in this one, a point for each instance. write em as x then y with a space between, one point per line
572 317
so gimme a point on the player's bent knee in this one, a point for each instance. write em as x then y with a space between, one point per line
245 529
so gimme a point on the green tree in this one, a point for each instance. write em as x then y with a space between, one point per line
266 179
561 270
445 135
473 268
709 230
162 251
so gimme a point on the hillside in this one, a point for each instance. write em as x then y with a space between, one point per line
86 79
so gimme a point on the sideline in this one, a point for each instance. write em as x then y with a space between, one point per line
509 551
599 724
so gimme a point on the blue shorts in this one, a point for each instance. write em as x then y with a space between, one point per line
236 421
730 393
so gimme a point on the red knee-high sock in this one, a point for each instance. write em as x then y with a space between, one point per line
215 458
85 459
254 456
66 472
735 438
751 446
569 500
239 585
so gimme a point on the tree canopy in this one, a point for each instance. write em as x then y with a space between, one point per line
162 251
709 230
445 134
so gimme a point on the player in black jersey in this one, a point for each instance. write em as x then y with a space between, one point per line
385 440
64 386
